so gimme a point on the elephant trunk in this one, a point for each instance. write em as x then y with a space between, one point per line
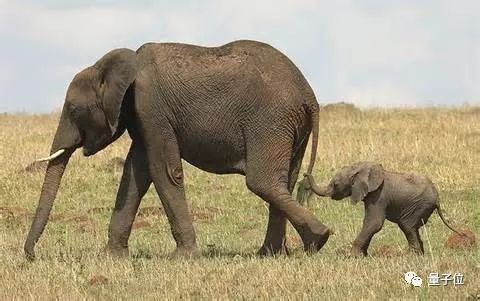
307 187
50 186
67 139
322 189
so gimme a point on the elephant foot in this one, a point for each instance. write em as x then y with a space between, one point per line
185 253
268 251
315 243
357 252
118 252
29 253
415 251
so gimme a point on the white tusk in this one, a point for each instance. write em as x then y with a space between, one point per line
52 156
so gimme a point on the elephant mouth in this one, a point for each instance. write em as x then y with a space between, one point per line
336 197
87 152
87 148
90 148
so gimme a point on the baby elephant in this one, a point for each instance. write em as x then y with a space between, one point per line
407 199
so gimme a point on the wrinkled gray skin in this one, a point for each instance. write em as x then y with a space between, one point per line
407 199
241 108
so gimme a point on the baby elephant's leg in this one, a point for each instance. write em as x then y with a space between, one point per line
411 223
413 237
372 223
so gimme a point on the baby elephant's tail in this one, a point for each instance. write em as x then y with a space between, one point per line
439 210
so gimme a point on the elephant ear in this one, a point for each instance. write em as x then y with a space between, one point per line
368 177
118 69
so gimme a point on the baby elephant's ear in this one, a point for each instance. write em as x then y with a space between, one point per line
368 177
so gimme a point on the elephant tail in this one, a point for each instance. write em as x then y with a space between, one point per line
304 191
315 123
439 210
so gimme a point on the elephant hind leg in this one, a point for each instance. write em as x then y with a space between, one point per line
422 250
271 182
411 223
296 164
275 241
313 233
413 237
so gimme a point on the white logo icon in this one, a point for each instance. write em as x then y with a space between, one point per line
409 276
413 279
417 281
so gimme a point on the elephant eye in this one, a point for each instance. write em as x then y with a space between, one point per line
79 113
75 111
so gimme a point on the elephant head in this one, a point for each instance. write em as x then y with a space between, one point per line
91 119
354 181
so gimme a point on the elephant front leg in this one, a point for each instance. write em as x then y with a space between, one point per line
133 186
275 238
167 175
372 223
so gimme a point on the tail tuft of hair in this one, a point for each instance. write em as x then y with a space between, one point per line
304 191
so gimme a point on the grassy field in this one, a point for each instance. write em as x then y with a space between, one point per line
230 221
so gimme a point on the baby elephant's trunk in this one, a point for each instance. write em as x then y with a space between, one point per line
307 187
439 210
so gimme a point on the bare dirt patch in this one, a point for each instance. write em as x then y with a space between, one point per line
82 223
467 241
205 213
150 211
14 212
294 240
199 214
68 218
98 280
87 227
141 224
247 233
99 210
386 251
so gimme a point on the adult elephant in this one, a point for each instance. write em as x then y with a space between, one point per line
241 108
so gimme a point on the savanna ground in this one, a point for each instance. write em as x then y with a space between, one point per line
230 221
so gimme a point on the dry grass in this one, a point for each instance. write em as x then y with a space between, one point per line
230 221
